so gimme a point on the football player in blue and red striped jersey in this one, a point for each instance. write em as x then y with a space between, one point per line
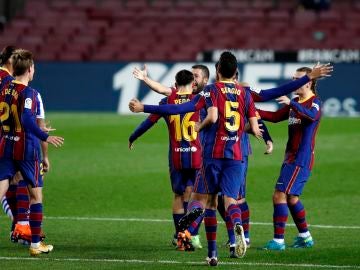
201 77
185 151
227 105
303 114
6 71
19 143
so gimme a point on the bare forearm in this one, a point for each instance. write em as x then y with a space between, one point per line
157 87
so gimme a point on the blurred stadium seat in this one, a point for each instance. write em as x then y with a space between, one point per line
158 29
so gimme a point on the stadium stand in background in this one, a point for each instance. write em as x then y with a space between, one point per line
175 30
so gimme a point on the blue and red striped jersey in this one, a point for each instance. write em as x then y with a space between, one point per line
20 133
185 150
5 76
221 140
304 119
234 106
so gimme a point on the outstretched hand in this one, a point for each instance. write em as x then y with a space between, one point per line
140 74
55 141
321 70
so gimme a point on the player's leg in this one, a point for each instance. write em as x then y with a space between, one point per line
210 223
197 202
297 210
231 181
22 232
195 225
178 211
30 171
7 171
244 207
286 180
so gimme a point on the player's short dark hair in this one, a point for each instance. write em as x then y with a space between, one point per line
204 69
227 64
22 60
184 77
6 54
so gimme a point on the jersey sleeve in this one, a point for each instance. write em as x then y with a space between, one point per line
313 113
40 112
29 111
279 115
282 90
144 126
168 109
249 105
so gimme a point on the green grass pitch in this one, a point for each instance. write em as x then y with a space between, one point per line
107 207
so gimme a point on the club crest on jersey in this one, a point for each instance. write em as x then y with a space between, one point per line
28 103
294 121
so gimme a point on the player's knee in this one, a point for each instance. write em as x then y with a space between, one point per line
292 200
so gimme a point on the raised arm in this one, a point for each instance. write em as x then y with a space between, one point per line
141 74
285 89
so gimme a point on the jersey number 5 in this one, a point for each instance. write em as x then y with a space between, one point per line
4 115
232 116
185 129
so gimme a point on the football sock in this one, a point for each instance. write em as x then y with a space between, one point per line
22 202
36 216
194 227
210 229
230 229
235 213
176 218
298 214
11 201
245 218
279 219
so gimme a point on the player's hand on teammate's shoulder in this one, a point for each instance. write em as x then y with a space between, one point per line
269 147
136 106
321 70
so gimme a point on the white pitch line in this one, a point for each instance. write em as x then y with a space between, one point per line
327 266
169 220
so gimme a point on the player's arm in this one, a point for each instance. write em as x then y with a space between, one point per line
141 74
211 118
29 124
280 115
168 109
266 136
317 72
40 119
142 128
311 114
251 115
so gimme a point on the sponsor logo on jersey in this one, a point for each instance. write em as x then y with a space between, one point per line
294 121
205 94
185 149
227 138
